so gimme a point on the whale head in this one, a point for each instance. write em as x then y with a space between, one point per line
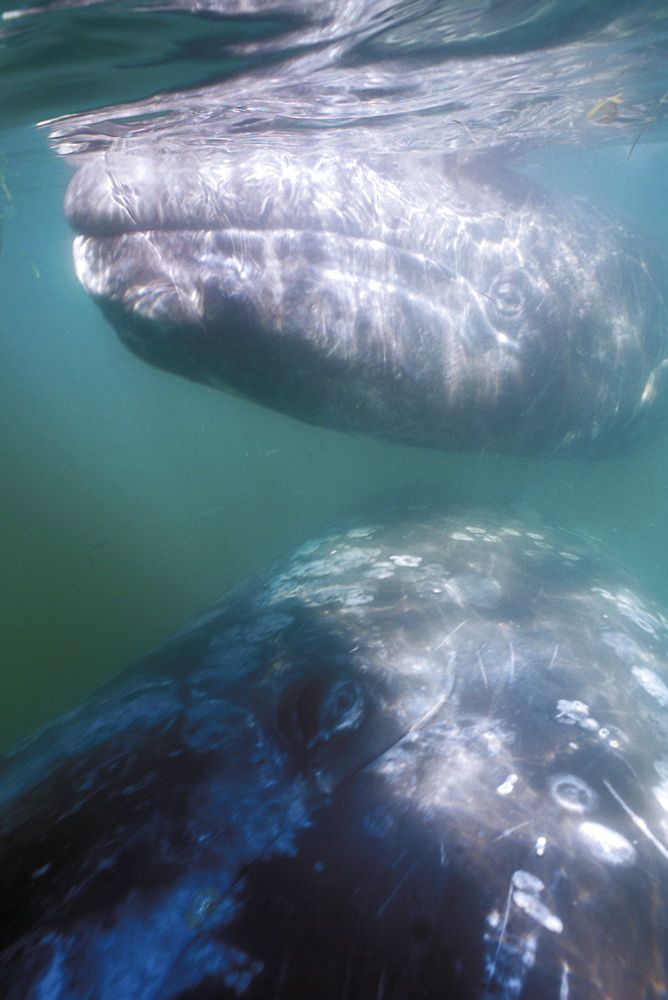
412 298
425 758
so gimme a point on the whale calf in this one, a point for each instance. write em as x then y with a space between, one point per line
420 758
422 300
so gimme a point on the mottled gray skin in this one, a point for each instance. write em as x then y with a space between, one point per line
424 302
426 759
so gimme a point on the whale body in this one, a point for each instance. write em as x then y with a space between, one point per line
425 758
422 300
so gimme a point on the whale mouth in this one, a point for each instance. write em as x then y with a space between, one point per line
189 276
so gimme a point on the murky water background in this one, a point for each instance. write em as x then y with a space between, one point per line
130 498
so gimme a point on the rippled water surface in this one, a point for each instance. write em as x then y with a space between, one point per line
131 498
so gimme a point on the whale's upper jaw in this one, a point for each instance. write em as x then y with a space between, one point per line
260 189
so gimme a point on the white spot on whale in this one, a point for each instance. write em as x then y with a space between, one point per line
526 881
652 684
606 844
538 911
525 890
380 571
572 713
506 787
406 560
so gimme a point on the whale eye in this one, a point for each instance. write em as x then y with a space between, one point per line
510 291
321 710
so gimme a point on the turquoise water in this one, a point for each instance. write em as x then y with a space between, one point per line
131 498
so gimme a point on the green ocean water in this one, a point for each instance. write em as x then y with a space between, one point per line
130 499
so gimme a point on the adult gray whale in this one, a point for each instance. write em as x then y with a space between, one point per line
425 759
429 302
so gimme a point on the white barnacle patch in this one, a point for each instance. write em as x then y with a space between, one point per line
526 888
652 684
614 737
406 560
572 793
538 911
495 740
506 787
535 536
569 556
380 570
526 881
334 594
337 561
575 713
607 845
459 536
474 530
540 845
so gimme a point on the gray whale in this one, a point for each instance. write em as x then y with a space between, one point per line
419 759
421 300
